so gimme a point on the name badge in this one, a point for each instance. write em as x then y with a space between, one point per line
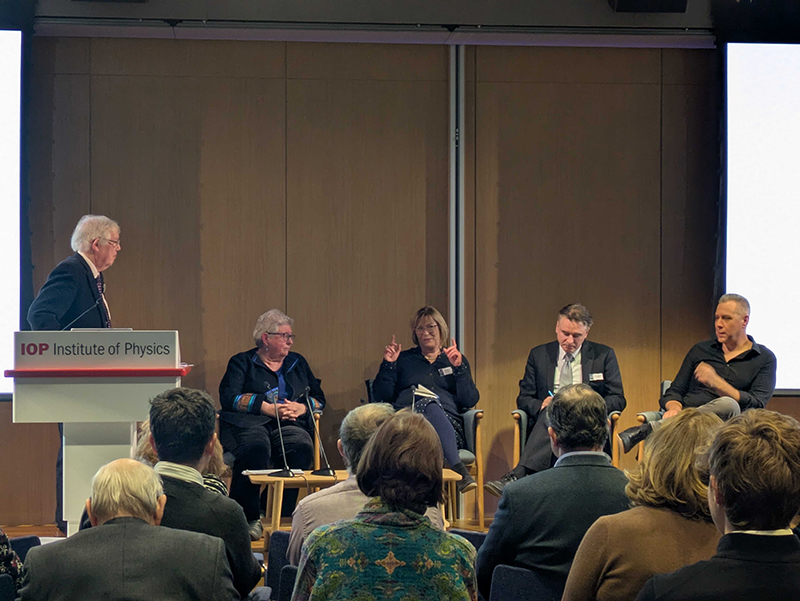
445 371
596 377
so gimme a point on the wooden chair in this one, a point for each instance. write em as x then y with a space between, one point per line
472 457
521 435
646 416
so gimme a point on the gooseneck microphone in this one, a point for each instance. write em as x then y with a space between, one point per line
327 470
286 472
94 306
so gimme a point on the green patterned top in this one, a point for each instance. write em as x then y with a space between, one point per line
385 555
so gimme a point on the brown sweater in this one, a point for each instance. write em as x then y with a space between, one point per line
621 552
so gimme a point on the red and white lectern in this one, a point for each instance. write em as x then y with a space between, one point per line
99 384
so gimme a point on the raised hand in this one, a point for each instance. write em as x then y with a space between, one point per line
453 354
392 351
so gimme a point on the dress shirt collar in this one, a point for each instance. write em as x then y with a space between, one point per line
578 453
95 272
718 345
179 472
562 353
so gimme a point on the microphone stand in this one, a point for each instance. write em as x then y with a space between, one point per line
327 470
94 306
286 472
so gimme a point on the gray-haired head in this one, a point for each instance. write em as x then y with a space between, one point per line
125 487
742 304
92 227
578 416
576 312
270 322
357 428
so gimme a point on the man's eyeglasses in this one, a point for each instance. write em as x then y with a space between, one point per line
286 337
430 329
114 243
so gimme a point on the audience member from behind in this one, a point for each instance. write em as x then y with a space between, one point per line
542 518
215 475
182 422
753 494
9 562
669 526
125 556
390 549
344 500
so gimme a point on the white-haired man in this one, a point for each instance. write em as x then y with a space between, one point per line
344 500
126 556
73 295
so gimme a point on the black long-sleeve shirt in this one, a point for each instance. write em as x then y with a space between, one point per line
454 385
752 373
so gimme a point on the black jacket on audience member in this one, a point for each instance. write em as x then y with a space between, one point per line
746 567
542 518
193 507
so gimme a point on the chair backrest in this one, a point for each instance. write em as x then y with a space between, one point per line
288 576
476 538
23 544
6 588
510 583
276 558
665 386
370 394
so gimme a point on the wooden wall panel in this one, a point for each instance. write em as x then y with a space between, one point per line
57 126
689 203
367 209
193 169
567 187
28 470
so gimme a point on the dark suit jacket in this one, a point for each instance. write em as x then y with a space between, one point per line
540 371
746 566
126 558
538 381
193 507
542 517
70 290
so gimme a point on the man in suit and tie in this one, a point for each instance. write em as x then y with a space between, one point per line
542 518
73 297
570 359
126 555
753 495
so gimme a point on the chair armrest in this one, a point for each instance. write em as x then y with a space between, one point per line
471 418
649 416
522 423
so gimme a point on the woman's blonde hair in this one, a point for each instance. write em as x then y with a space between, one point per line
669 475
433 313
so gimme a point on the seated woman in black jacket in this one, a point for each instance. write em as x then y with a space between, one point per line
444 371
260 386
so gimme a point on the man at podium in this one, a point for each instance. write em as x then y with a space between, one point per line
73 295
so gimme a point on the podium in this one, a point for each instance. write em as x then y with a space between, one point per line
98 383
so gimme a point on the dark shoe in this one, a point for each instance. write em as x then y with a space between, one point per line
466 483
256 529
633 436
495 487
